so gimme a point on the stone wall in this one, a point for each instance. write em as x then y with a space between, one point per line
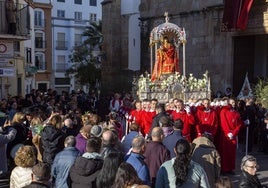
207 47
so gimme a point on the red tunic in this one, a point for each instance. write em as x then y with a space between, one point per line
135 116
230 123
188 121
207 121
147 119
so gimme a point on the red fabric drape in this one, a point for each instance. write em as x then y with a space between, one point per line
242 20
235 14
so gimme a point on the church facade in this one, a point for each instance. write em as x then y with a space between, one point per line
227 55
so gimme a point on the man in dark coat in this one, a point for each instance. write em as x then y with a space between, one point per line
171 140
87 167
156 153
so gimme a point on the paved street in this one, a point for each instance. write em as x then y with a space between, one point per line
262 160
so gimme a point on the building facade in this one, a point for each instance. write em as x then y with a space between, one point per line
69 20
227 56
14 29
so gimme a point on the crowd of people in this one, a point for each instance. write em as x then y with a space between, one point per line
81 140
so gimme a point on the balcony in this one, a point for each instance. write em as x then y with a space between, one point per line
16 22
40 44
62 67
41 66
61 45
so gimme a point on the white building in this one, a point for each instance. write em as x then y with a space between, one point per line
69 20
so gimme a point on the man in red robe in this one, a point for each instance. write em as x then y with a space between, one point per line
207 119
230 124
147 116
186 116
135 115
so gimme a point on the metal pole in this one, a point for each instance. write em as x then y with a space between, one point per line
183 55
247 140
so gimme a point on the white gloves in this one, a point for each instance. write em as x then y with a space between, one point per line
247 122
187 109
230 135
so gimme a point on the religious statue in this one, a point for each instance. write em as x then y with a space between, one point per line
11 16
166 60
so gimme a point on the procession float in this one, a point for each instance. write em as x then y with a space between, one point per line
165 80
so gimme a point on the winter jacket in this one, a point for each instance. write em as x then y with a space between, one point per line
52 140
62 164
85 170
20 177
249 181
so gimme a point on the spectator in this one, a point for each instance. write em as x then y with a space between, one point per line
87 167
111 163
40 176
136 159
156 153
21 136
127 140
171 140
82 137
110 143
68 127
7 134
181 171
248 177
25 159
63 162
126 176
224 182
52 139
96 131
207 156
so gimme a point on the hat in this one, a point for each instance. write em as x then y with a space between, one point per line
96 131
41 171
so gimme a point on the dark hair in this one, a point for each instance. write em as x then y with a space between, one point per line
224 182
107 174
182 161
178 124
93 144
126 175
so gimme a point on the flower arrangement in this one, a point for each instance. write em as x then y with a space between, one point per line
165 83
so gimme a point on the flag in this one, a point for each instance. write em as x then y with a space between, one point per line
230 14
246 91
242 20
235 15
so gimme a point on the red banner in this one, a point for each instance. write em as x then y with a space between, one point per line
242 20
235 15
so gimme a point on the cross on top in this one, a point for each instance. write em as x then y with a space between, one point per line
166 17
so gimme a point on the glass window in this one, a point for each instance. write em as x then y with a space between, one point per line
93 17
78 2
93 3
78 15
40 61
61 0
77 39
60 13
38 18
39 41
61 58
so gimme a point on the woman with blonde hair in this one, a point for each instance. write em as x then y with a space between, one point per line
25 159
21 136
52 138
36 126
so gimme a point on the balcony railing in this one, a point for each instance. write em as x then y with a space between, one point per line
61 45
16 22
41 66
40 44
62 67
